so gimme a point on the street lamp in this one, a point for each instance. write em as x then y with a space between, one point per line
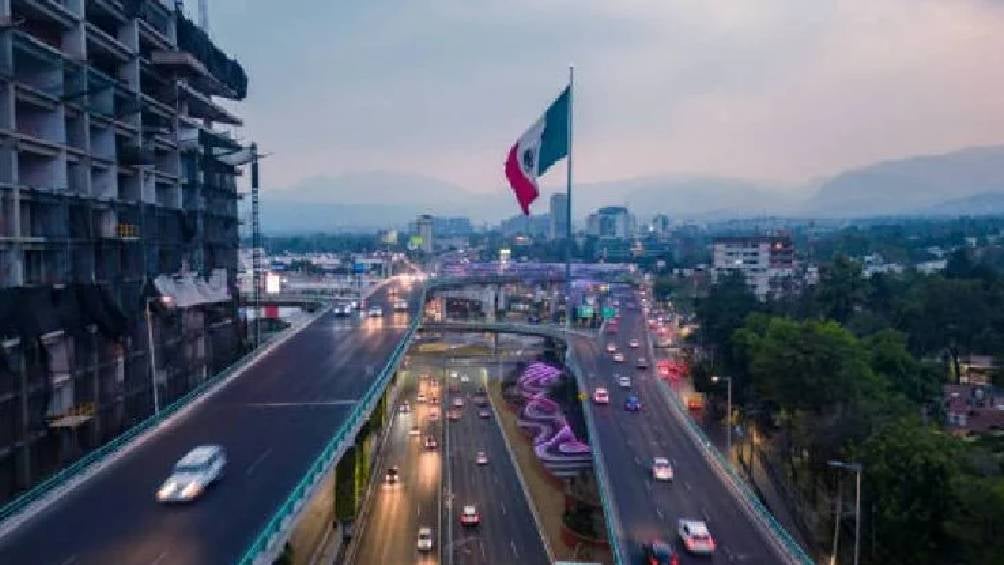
728 415
165 301
856 468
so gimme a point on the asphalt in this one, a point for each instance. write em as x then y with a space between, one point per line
389 533
273 421
507 533
650 510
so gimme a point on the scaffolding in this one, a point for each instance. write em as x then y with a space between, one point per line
110 176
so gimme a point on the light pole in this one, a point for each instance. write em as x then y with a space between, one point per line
728 414
857 469
151 351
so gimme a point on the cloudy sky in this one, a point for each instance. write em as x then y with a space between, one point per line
773 90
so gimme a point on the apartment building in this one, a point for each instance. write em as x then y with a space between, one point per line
118 204
768 262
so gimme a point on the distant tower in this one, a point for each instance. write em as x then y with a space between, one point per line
204 15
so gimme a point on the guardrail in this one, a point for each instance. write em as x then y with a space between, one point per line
61 477
265 543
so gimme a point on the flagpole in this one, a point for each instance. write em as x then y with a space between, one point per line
568 205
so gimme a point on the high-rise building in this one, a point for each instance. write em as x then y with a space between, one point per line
611 222
558 213
766 261
118 205
425 229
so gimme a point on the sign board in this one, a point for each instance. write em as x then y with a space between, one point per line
273 283
358 268
609 312
585 311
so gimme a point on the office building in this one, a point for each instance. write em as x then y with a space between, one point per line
768 262
611 222
534 226
114 192
558 215
425 230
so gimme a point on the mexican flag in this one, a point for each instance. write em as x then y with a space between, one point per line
544 144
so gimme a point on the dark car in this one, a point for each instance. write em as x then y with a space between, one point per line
632 403
658 552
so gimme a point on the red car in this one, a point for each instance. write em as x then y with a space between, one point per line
469 516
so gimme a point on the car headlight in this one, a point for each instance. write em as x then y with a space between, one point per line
191 490
167 489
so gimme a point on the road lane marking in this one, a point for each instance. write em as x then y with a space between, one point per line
503 507
260 458
484 556
69 560
515 553
658 512
159 558
648 485
687 486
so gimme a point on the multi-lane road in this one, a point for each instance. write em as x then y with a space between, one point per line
630 440
432 494
272 420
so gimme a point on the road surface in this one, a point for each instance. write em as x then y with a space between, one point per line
273 421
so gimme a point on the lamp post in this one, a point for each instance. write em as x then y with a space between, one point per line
151 351
728 415
857 469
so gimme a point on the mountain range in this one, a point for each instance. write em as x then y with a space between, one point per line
968 181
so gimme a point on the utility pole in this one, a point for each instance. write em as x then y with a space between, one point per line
728 414
857 469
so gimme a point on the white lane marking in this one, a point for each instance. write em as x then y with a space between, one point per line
484 556
159 558
704 512
69 560
512 544
341 402
687 486
260 458
503 507
659 513
648 485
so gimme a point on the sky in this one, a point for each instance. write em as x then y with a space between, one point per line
777 91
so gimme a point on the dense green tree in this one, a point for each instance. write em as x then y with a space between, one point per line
908 476
890 358
724 311
841 289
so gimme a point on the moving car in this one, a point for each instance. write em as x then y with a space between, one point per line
453 415
611 347
414 431
632 403
425 539
661 469
199 468
658 552
619 357
464 378
696 537
420 398
458 402
392 475
624 382
400 305
634 344
481 458
431 443
469 516
601 396
433 415
375 312
342 310
642 363
405 407
484 413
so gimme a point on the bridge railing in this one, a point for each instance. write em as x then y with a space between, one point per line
268 538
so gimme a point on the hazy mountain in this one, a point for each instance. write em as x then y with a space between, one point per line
911 185
986 204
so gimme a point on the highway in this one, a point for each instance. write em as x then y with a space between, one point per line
507 533
389 532
273 421
629 441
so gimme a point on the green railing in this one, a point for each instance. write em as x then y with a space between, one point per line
67 473
361 411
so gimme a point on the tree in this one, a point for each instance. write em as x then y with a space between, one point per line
908 476
841 289
725 309
907 376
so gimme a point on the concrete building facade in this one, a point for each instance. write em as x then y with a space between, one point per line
611 222
116 189
425 229
768 262
558 216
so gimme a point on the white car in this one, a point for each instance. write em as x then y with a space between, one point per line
481 458
634 344
420 398
425 539
619 357
661 469
464 378
458 402
642 363
199 468
611 347
601 396
400 305
696 537
624 382
375 312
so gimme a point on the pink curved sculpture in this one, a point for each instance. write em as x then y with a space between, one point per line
554 441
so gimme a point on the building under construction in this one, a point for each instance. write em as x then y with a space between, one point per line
118 205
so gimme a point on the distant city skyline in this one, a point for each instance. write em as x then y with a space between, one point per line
781 91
